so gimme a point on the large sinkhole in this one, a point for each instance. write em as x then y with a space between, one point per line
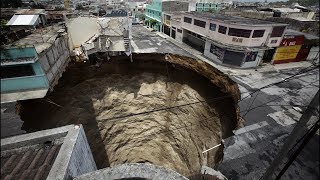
159 109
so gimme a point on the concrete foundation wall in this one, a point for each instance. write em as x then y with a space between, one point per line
55 59
74 158
81 160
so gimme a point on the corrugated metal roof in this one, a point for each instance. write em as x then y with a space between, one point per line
30 164
24 20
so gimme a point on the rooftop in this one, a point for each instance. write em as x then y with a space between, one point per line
306 35
30 11
23 20
41 38
233 19
32 163
47 154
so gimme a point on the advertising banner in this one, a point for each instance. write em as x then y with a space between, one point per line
286 52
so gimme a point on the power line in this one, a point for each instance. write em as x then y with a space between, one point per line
281 97
222 116
305 70
202 101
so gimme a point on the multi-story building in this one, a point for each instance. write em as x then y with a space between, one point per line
154 11
31 66
297 46
228 40
208 5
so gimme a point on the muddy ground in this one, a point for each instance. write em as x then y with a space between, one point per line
129 111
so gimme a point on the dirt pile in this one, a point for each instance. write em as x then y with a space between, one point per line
150 110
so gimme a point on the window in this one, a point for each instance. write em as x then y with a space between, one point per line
187 20
274 41
258 33
16 71
212 27
222 29
277 31
179 31
239 32
199 23
217 51
251 56
173 27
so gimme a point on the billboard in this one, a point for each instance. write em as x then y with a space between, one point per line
292 40
286 52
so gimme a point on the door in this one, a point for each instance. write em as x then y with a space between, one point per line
268 55
233 58
173 34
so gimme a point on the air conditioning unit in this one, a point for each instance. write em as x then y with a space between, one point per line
234 39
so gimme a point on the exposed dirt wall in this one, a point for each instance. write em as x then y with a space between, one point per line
165 111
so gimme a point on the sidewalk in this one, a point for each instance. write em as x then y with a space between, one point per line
251 78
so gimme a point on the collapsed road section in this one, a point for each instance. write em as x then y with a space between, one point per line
160 109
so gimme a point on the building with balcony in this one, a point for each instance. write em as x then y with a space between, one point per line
31 66
233 41
154 12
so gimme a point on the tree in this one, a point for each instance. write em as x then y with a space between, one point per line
152 22
147 22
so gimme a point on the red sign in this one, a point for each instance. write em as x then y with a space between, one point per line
292 40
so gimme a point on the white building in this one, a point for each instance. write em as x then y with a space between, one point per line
227 40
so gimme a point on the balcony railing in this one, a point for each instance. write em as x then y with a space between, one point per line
24 83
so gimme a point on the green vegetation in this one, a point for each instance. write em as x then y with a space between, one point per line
152 22
140 16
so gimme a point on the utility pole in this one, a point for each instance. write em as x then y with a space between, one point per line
291 139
